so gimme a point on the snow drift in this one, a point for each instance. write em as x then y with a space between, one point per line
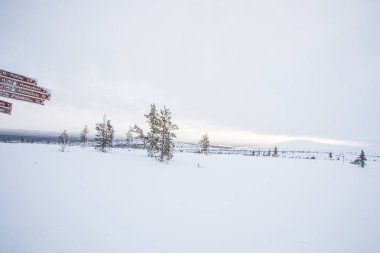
122 201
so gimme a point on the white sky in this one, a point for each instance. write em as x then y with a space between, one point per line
247 72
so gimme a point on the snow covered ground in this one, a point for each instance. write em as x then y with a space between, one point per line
122 201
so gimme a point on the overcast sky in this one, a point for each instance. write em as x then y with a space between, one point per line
249 72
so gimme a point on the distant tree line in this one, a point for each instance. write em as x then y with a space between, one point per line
158 141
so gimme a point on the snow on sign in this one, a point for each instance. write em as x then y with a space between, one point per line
18 77
5 107
20 87
11 88
5 104
6 110
21 97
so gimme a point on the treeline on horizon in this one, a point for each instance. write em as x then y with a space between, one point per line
158 141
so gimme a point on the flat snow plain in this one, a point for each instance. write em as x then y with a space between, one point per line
123 201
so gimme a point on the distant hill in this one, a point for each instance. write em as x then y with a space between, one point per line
10 135
317 146
28 133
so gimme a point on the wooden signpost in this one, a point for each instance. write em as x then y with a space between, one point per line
21 97
21 88
24 85
5 107
11 88
18 77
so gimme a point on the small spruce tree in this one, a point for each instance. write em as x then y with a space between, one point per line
83 137
204 144
153 136
104 135
275 152
362 159
63 140
166 135
129 139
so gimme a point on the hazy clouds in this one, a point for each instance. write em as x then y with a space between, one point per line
288 68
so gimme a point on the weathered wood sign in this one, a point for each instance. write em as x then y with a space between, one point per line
25 86
18 77
11 88
20 87
5 107
21 97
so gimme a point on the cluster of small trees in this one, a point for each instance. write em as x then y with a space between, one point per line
273 153
158 141
204 147
104 136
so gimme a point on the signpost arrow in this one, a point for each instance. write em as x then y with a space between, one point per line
11 88
22 88
5 104
13 95
18 77
6 110
34 88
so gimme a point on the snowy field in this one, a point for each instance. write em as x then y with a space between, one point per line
122 201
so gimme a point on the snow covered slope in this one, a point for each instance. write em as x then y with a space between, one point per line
122 201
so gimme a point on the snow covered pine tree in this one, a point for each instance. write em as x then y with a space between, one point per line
360 160
166 140
159 141
204 144
275 151
83 137
153 136
104 135
129 139
63 140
